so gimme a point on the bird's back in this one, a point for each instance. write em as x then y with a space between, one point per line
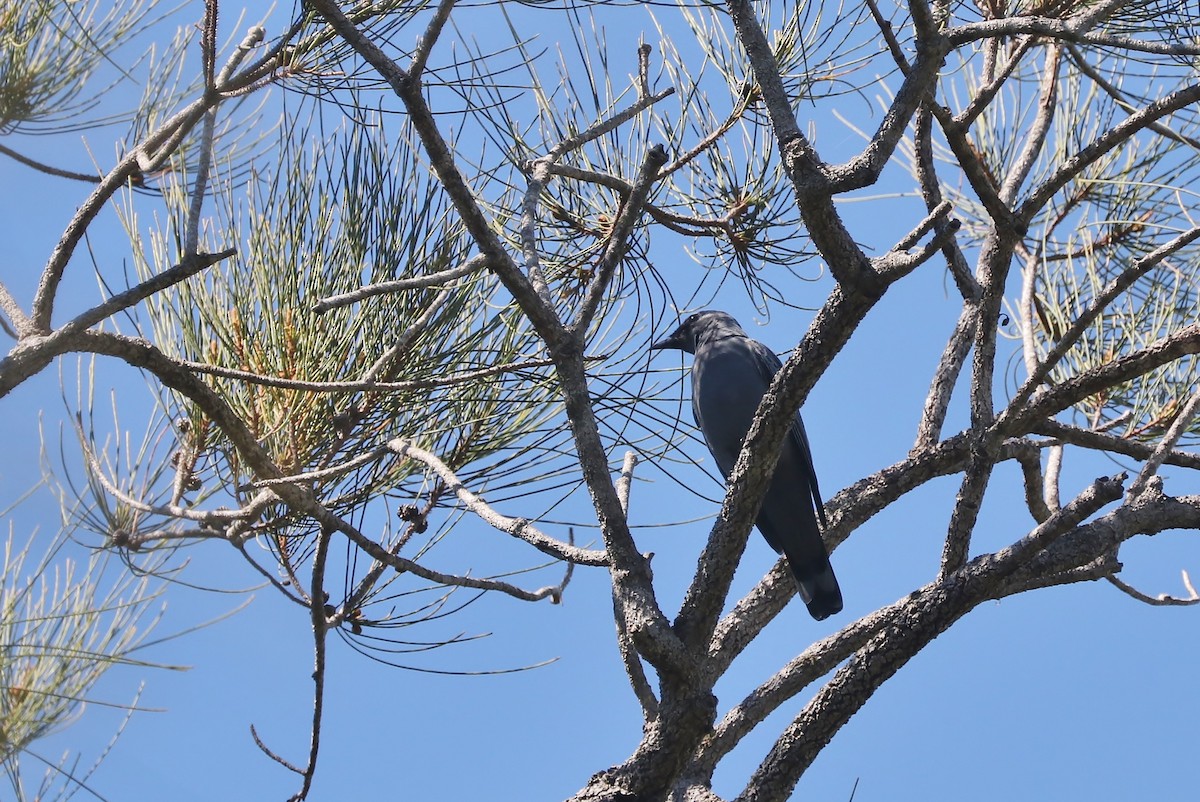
729 377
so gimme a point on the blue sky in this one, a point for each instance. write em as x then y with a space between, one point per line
1068 693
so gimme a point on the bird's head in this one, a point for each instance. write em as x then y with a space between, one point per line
699 328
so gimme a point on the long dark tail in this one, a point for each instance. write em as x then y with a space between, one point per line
818 587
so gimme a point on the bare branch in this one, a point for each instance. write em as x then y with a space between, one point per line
188 267
1053 471
976 475
517 527
1072 166
931 191
320 629
472 265
337 387
1075 30
1099 441
1162 599
618 241
1029 457
126 169
1181 424
425 44
897 261
920 618
945 377
1039 128
629 656
1100 303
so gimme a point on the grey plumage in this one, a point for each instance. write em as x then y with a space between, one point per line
730 374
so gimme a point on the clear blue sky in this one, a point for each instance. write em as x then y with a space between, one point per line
1068 693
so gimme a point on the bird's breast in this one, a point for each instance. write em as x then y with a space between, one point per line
727 388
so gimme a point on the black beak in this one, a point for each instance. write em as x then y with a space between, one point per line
677 340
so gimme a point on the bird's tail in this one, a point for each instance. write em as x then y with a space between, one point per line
818 588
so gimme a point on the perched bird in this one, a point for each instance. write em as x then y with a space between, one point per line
730 374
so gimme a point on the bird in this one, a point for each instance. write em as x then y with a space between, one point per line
730 374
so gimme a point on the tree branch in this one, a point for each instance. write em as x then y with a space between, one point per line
517 527
472 265
920 618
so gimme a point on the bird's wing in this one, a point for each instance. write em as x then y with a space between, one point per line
696 414
768 365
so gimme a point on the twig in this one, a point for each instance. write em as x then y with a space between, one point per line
1162 599
618 241
324 473
266 750
357 597
626 480
517 527
897 261
208 44
320 628
208 517
342 386
987 93
1028 456
689 225
889 37
253 39
409 336
1181 424
48 169
472 265
1101 302
433 31
540 172
189 266
1099 441
629 656
12 309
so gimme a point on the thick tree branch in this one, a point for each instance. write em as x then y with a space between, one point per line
921 618
1099 441
443 164
1076 388
1072 166
1099 304
1068 30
